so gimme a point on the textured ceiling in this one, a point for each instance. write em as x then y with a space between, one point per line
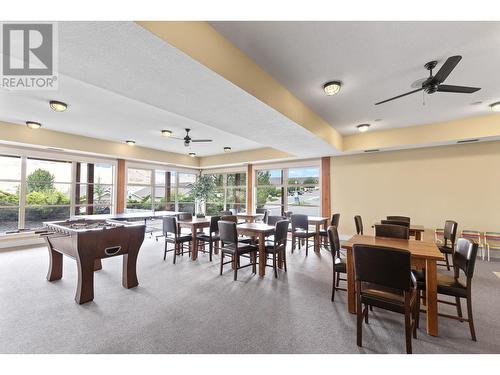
375 61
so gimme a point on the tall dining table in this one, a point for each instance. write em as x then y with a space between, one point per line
424 255
194 225
317 222
249 217
259 231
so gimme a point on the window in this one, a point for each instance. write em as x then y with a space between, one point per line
165 183
184 196
229 193
10 184
139 189
93 188
289 189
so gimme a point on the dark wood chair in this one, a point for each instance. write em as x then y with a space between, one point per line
288 214
262 211
272 220
300 230
278 246
392 231
464 259
359 224
226 213
210 238
231 246
173 236
185 216
323 234
449 238
399 218
384 280
402 223
339 264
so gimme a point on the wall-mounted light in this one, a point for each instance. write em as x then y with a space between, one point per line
33 125
363 127
192 154
58 106
130 143
166 133
495 107
332 88
227 149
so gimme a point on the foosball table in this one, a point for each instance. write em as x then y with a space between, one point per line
88 241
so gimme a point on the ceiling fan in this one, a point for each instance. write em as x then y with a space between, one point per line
187 139
434 83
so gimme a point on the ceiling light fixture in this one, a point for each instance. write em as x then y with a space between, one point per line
227 149
363 127
166 133
130 143
495 107
192 154
58 106
332 88
33 125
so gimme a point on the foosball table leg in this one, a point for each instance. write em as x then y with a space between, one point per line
55 265
85 286
129 273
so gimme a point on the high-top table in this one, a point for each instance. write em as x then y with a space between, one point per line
249 217
259 231
317 221
424 255
194 224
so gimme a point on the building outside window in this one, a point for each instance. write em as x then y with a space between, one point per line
229 193
289 189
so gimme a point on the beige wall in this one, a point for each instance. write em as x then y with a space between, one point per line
459 182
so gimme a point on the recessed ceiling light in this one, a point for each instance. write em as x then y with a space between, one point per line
372 150
33 125
332 88
58 106
227 149
130 143
192 154
363 127
166 133
378 120
495 107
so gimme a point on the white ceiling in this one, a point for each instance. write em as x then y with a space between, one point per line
122 82
375 61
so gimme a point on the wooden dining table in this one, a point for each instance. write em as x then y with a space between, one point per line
249 217
259 231
194 225
415 230
424 255
317 221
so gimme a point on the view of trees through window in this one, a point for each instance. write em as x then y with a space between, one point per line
229 193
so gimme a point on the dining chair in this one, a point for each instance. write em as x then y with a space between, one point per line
173 236
288 214
262 211
391 231
323 234
234 219
402 223
339 264
230 245
464 259
491 241
185 216
384 280
449 238
300 230
278 246
211 237
272 220
359 224
226 213
399 218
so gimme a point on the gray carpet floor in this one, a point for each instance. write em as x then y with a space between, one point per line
189 308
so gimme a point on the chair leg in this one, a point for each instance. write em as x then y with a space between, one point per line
408 331
284 258
221 261
447 262
338 279
470 318
236 268
253 259
293 243
365 313
210 249
415 313
417 323
333 284
307 245
165 252
459 307
359 325
176 247
274 266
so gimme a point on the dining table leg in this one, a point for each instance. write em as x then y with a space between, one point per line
418 235
351 290
262 255
316 238
431 296
194 244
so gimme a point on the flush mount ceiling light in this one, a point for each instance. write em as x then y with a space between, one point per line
495 107
33 125
332 88
58 106
363 127
192 154
227 149
166 133
130 143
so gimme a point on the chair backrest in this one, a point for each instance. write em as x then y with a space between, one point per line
266 214
214 224
169 225
450 232
300 221
226 213
288 214
231 218
260 210
185 216
228 232
281 232
396 222
334 240
399 218
464 257
335 220
383 266
391 231
359 224
272 220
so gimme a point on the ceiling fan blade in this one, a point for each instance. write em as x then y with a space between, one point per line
180 139
399 96
201 140
447 68
458 89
